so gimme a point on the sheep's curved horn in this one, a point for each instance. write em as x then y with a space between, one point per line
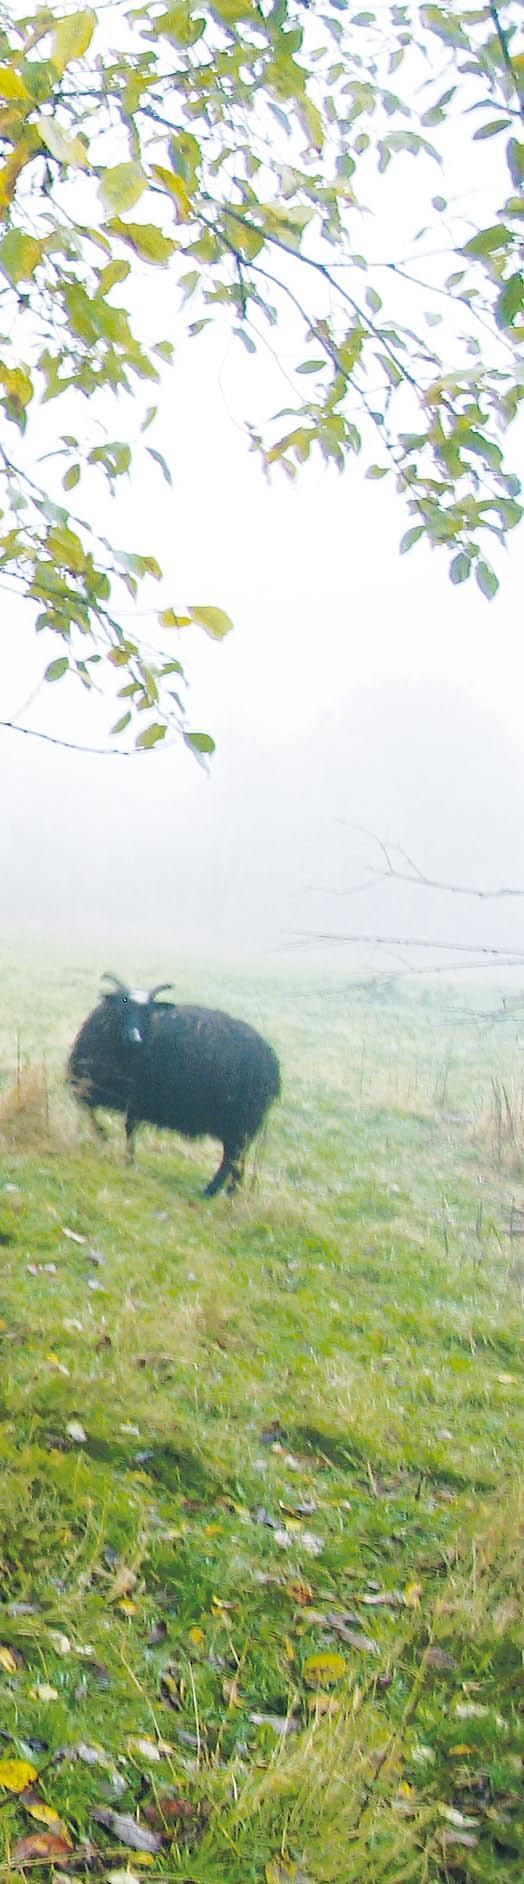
161 988
120 986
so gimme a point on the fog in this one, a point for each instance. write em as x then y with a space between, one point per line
266 851
359 689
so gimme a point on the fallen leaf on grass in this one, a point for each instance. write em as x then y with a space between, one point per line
470 1839
411 1595
76 1432
60 1642
456 1818
127 1830
123 1583
300 1591
149 1749
43 1692
323 1703
45 1814
313 1544
10 1659
41 1848
172 1811
354 1637
170 1688
438 1658
91 1755
390 1599
15 1775
73 1235
280 1723
327 1667
122 1877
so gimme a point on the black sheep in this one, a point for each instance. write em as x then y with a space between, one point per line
193 1069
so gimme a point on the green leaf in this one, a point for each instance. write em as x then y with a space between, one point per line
492 129
147 241
229 12
487 580
160 460
460 568
373 300
120 725
411 536
311 366
200 742
20 255
150 737
72 36
57 668
72 477
488 241
213 620
510 301
121 186
447 25
116 271
377 471
515 158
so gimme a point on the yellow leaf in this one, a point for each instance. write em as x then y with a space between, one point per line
213 620
127 1607
46 1815
71 37
177 189
280 1871
323 1703
44 1692
8 1661
17 383
289 1649
15 1775
412 1594
11 85
196 1635
67 150
326 1667
462 1748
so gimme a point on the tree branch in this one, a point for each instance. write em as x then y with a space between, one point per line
506 54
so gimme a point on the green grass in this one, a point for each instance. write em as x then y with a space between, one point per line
292 1404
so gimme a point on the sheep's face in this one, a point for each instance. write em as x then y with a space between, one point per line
128 1012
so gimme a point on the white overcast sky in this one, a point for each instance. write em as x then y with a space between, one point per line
326 615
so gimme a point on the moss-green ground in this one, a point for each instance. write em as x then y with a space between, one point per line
242 1435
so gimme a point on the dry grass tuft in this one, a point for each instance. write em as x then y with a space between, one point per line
24 1108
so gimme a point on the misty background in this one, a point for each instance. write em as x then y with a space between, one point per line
359 689
262 853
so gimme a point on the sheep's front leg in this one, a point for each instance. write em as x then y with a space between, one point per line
131 1125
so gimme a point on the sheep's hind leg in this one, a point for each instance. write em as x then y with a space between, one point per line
229 1172
99 1130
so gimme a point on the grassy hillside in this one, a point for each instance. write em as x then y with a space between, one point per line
260 1521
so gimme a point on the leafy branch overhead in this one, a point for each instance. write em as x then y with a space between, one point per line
249 150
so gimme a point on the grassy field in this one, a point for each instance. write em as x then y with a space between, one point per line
260 1525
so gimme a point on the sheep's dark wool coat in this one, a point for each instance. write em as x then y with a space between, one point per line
195 1070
